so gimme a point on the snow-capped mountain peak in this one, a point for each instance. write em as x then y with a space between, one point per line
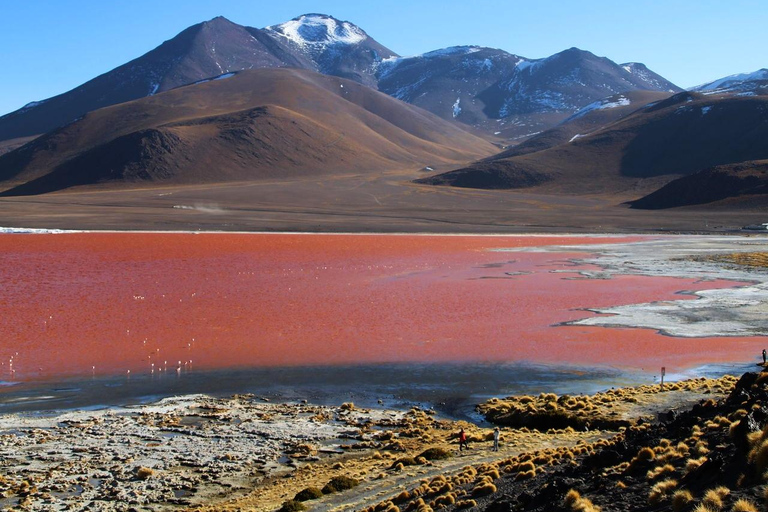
319 30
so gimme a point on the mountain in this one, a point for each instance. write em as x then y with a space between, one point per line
678 136
654 81
244 126
743 82
594 116
508 95
200 52
447 82
337 48
501 95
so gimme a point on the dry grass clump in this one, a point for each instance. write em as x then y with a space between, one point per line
143 473
402 462
693 464
661 491
758 454
435 454
660 471
338 484
645 456
681 499
743 505
713 498
462 504
576 502
747 259
310 493
292 506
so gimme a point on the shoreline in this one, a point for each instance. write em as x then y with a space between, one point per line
451 389
242 451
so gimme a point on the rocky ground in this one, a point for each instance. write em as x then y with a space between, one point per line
241 453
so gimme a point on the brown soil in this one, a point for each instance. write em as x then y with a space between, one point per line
356 202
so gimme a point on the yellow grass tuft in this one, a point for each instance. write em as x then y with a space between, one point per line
661 491
681 499
713 498
660 471
484 489
743 505
577 503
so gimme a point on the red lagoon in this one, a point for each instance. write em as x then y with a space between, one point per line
106 303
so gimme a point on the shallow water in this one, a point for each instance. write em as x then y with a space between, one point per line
452 390
98 307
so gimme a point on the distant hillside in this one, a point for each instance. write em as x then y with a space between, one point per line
742 82
678 136
594 116
260 124
511 96
739 183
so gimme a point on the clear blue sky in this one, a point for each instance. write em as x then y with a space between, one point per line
51 46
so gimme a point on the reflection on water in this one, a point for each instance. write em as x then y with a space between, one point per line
451 389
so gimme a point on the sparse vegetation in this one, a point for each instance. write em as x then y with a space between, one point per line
143 473
339 483
310 493
292 506
435 453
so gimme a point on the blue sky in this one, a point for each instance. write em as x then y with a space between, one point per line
51 46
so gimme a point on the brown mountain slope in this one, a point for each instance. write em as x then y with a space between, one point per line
256 124
201 51
733 183
678 136
587 120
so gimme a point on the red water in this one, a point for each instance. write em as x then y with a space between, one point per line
106 303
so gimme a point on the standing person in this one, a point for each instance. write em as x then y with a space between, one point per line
462 440
764 357
496 435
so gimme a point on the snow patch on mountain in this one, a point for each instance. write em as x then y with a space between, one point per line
452 50
318 30
732 81
605 103
456 108
32 104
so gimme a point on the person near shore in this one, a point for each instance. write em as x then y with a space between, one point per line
496 435
462 440
764 355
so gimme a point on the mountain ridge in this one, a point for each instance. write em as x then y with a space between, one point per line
325 44
252 125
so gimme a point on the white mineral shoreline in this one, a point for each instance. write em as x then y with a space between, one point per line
195 446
